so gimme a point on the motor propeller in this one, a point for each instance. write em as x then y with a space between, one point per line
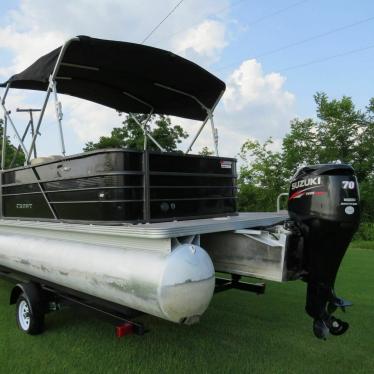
334 326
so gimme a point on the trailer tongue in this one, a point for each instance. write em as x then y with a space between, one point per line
120 230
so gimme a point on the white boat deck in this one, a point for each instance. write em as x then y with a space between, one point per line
160 230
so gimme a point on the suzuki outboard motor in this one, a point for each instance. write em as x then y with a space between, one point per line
324 204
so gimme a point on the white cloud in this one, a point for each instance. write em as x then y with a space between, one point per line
113 19
248 85
256 104
35 27
26 46
207 40
89 120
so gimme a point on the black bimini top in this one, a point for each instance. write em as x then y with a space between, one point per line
127 77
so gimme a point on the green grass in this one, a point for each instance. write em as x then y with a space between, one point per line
362 244
240 333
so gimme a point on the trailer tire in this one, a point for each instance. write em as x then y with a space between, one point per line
29 317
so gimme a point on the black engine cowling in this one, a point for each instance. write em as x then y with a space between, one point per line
324 204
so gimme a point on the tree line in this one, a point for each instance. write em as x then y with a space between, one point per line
14 156
340 133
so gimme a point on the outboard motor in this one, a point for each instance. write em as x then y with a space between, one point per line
324 204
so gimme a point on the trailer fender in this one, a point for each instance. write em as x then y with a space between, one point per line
33 292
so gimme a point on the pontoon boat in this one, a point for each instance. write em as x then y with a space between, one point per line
129 231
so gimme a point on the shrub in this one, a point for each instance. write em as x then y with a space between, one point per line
365 231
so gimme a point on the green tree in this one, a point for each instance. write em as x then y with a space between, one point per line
262 176
10 151
367 199
300 145
206 152
131 135
340 133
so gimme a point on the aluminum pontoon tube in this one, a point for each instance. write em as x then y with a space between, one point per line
176 286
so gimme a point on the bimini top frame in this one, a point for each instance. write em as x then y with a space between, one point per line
127 77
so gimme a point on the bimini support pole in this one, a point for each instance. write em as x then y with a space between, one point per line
49 90
214 133
144 125
147 134
197 135
9 119
39 123
209 116
59 116
30 124
4 143
145 130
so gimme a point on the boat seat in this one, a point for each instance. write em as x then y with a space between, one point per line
42 160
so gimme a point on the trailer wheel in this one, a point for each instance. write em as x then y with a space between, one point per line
29 322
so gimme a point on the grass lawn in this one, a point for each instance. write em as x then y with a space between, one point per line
240 333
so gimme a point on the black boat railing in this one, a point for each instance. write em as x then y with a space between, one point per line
97 186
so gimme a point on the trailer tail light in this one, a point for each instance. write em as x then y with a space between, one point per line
124 329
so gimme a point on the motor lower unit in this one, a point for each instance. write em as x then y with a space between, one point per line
324 205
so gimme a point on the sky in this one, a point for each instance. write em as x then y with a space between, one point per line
272 55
